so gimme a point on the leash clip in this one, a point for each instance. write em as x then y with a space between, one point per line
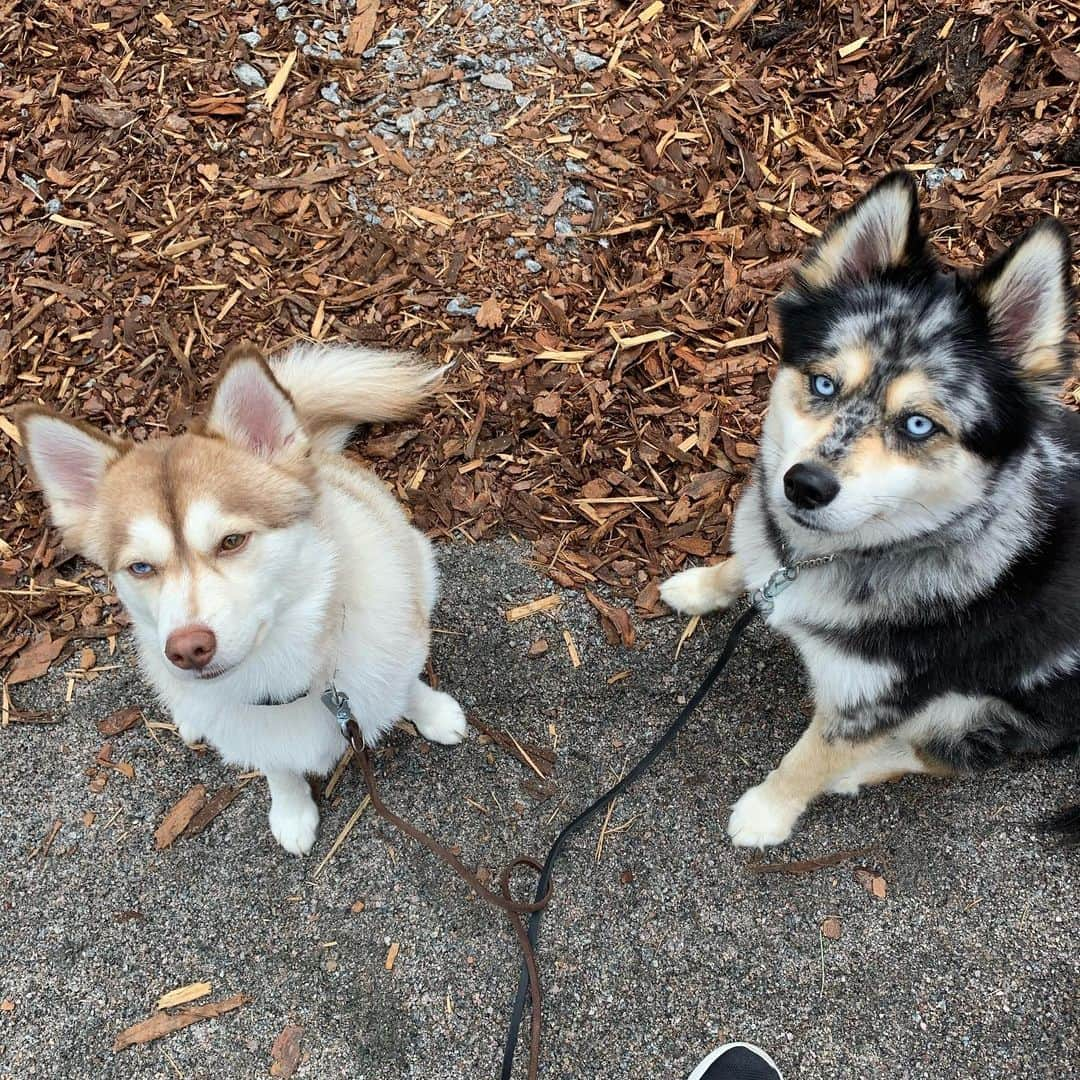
764 599
337 701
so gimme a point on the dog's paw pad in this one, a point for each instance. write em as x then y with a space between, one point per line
295 826
693 591
760 820
441 720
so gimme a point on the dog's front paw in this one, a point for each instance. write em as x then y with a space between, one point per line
760 819
295 824
441 719
697 591
189 734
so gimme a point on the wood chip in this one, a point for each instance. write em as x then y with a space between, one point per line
179 816
533 607
120 721
362 27
183 994
391 956
571 649
165 1023
277 84
285 1052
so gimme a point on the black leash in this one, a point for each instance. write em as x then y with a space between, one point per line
543 886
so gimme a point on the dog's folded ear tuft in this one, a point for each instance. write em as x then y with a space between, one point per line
1028 302
251 410
68 459
878 233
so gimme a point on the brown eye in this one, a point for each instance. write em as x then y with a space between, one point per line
232 542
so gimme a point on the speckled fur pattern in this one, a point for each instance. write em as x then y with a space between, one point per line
944 635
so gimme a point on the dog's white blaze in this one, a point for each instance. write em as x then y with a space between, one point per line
149 540
203 527
842 680
175 608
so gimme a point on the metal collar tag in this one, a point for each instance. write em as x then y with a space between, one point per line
338 703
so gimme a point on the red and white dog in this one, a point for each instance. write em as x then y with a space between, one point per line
260 566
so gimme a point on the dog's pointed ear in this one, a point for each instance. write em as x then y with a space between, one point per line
878 233
251 410
68 461
1028 302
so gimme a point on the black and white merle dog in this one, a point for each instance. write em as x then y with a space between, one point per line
913 434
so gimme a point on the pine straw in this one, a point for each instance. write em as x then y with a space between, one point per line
612 415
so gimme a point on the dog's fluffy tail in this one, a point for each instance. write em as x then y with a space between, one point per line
337 387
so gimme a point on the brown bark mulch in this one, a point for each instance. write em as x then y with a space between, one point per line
594 249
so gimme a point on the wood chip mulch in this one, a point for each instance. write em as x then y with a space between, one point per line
595 249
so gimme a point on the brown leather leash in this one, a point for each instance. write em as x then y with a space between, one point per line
503 900
529 990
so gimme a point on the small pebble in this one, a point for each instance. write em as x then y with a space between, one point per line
54 206
587 61
577 198
410 120
533 266
330 93
563 227
480 13
461 306
252 38
496 81
282 12
934 178
489 140
300 38
249 76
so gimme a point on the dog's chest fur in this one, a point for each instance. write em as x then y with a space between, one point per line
882 635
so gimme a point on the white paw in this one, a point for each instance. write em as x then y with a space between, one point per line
295 823
759 819
440 719
188 732
694 591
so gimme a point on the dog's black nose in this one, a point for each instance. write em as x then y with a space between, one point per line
809 486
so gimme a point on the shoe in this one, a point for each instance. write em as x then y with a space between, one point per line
737 1061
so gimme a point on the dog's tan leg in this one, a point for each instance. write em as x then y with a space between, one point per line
767 813
705 588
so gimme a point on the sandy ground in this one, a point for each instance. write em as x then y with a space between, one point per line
651 954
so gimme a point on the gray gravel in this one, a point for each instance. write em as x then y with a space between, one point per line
651 956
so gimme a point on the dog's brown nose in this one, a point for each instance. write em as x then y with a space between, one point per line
191 647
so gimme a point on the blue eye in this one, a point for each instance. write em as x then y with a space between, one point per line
141 569
822 385
919 427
